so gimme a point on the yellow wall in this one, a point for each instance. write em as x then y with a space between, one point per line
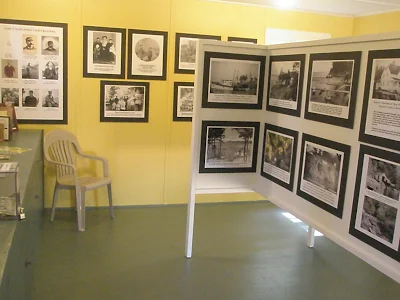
149 163
374 24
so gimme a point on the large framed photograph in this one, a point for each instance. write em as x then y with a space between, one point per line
279 155
34 60
323 173
332 88
233 80
183 101
375 217
242 40
104 52
185 51
124 101
380 119
229 147
285 84
147 54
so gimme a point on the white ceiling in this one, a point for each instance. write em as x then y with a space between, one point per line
337 7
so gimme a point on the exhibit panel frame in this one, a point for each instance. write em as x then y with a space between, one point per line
328 224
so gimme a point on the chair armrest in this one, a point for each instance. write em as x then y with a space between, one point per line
94 157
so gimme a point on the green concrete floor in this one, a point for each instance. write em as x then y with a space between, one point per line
246 251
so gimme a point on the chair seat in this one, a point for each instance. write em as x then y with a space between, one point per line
87 183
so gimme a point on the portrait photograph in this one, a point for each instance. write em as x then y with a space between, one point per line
185 51
332 88
375 217
323 173
285 84
30 44
30 69
382 100
233 80
9 68
50 70
279 156
124 101
147 55
10 95
50 98
229 147
30 97
50 45
103 52
183 101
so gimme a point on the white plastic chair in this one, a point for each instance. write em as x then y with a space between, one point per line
59 150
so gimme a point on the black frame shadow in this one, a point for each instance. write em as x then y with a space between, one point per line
242 40
177 84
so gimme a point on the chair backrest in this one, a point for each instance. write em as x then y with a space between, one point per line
59 146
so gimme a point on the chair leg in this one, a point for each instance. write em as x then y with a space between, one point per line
110 201
53 208
78 191
83 212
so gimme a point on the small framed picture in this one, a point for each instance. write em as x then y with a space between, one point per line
279 155
147 54
332 88
124 101
7 128
233 80
185 51
375 217
229 147
285 84
323 173
242 40
104 52
381 110
183 101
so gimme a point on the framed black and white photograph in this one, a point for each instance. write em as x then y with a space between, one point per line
34 59
332 88
380 119
375 217
104 52
242 40
285 84
147 54
279 155
229 147
185 51
233 80
183 101
323 173
124 101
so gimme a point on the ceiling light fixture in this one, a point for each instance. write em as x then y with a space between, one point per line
285 4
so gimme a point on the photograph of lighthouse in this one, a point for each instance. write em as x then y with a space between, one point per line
233 80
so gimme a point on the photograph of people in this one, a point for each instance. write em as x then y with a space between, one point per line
50 100
10 68
10 95
29 100
50 45
30 70
104 49
29 47
51 71
147 49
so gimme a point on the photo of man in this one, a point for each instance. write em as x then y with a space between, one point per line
10 68
29 100
29 42
50 45
51 99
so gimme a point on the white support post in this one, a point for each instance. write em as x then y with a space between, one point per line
190 224
310 237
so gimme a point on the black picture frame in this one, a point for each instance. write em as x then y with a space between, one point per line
232 124
287 58
345 149
242 40
121 63
164 35
64 27
382 154
294 135
363 136
230 56
124 118
329 119
178 37
177 85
